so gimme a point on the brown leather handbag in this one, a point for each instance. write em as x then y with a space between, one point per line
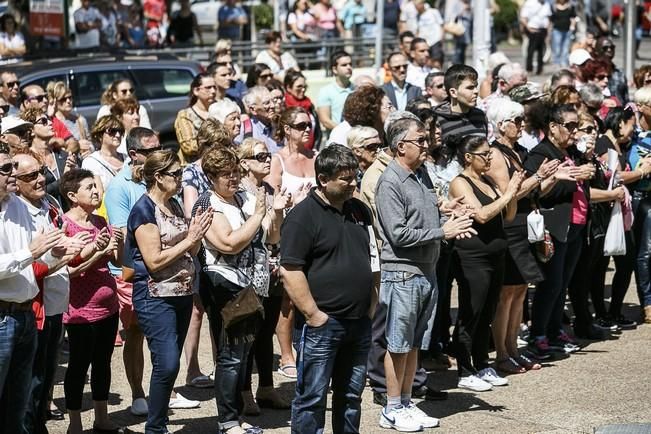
245 304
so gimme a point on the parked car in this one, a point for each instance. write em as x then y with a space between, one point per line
162 84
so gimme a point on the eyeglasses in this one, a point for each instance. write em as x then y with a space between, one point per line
372 147
65 98
5 107
588 130
147 152
260 156
114 132
301 126
400 67
11 84
420 142
7 168
38 98
571 126
229 174
43 121
176 174
601 77
127 91
266 76
516 120
487 155
32 176
608 47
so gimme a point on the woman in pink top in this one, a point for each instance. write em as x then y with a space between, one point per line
92 317
327 23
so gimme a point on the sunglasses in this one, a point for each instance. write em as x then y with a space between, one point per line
487 155
7 168
608 47
266 76
260 157
601 77
11 84
65 98
32 176
372 147
421 142
229 174
301 126
147 152
114 132
38 98
571 126
399 67
43 121
517 120
176 174
127 91
588 130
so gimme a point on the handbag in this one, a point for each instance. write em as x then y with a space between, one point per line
244 305
535 226
615 241
544 244
545 248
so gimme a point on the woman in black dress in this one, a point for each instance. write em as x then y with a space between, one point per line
481 258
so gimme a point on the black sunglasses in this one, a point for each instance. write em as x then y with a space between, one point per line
301 126
43 121
399 67
7 168
372 146
571 126
11 84
31 176
65 98
487 155
147 152
260 156
421 142
176 174
114 131
38 98
588 130
125 91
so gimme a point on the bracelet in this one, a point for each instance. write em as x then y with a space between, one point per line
538 178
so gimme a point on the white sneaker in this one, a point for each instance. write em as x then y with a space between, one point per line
181 402
490 376
399 419
421 417
474 383
139 407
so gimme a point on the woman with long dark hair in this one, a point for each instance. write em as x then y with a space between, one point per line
189 120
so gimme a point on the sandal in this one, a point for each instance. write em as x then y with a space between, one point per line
527 363
201 382
286 370
510 366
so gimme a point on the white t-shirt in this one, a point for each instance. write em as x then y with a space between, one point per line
430 26
286 58
100 167
12 42
409 15
536 14
90 38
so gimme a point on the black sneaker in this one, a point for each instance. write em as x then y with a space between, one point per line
539 348
624 323
429 394
605 324
592 334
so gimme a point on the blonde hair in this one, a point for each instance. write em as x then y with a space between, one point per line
212 133
643 96
56 90
223 44
358 134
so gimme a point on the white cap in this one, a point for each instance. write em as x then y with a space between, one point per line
126 2
12 122
579 57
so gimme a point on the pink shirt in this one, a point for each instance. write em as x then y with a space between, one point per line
327 17
93 294
579 203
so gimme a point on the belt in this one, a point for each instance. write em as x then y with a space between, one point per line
9 306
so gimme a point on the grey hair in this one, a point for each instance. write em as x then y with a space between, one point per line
502 109
358 134
510 70
399 129
643 96
591 94
397 115
253 95
222 108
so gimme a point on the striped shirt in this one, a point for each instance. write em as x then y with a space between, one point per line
473 123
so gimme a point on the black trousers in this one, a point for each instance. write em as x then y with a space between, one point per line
263 347
537 46
480 282
585 277
446 269
90 345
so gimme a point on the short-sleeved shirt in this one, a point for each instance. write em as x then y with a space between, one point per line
13 42
175 279
286 59
640 149
193 176
93 293
90 38
229 31
430 26
100 167
333 249
334 97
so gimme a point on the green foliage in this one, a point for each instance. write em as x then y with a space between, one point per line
264 16
507 16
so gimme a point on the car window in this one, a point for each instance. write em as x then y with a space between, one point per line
162 83
43 81
90 85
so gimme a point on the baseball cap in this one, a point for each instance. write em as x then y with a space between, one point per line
525 93
579 57
12 122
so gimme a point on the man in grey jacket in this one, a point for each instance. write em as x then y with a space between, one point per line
411 232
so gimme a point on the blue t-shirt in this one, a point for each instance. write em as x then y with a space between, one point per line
229 31
640 149
121 195
334 97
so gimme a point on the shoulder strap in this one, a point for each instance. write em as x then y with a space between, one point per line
248 127
282 163
110 169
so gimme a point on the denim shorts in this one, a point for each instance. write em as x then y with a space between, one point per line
411 301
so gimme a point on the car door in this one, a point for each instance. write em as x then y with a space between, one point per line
88 85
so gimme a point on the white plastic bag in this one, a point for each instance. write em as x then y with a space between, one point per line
535 227
615 241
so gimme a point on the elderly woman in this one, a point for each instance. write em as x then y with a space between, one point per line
255 162
195 183
105 163
66 122
92 316
235 257
188 121
228 113
127 110
521 267
122 89
161 245
598 71
481 258
365 143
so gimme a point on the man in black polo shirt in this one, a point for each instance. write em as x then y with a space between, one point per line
328 265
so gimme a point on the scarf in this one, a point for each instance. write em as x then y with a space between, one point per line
291 101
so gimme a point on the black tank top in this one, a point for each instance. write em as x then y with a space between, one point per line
514 158
490 236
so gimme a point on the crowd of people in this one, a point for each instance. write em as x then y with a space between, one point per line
338 225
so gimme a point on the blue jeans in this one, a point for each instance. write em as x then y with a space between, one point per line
337 350
18 342
164 321
642 231
561 46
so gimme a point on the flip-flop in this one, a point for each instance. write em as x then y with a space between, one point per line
510 366
201 382
527 363
283 370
